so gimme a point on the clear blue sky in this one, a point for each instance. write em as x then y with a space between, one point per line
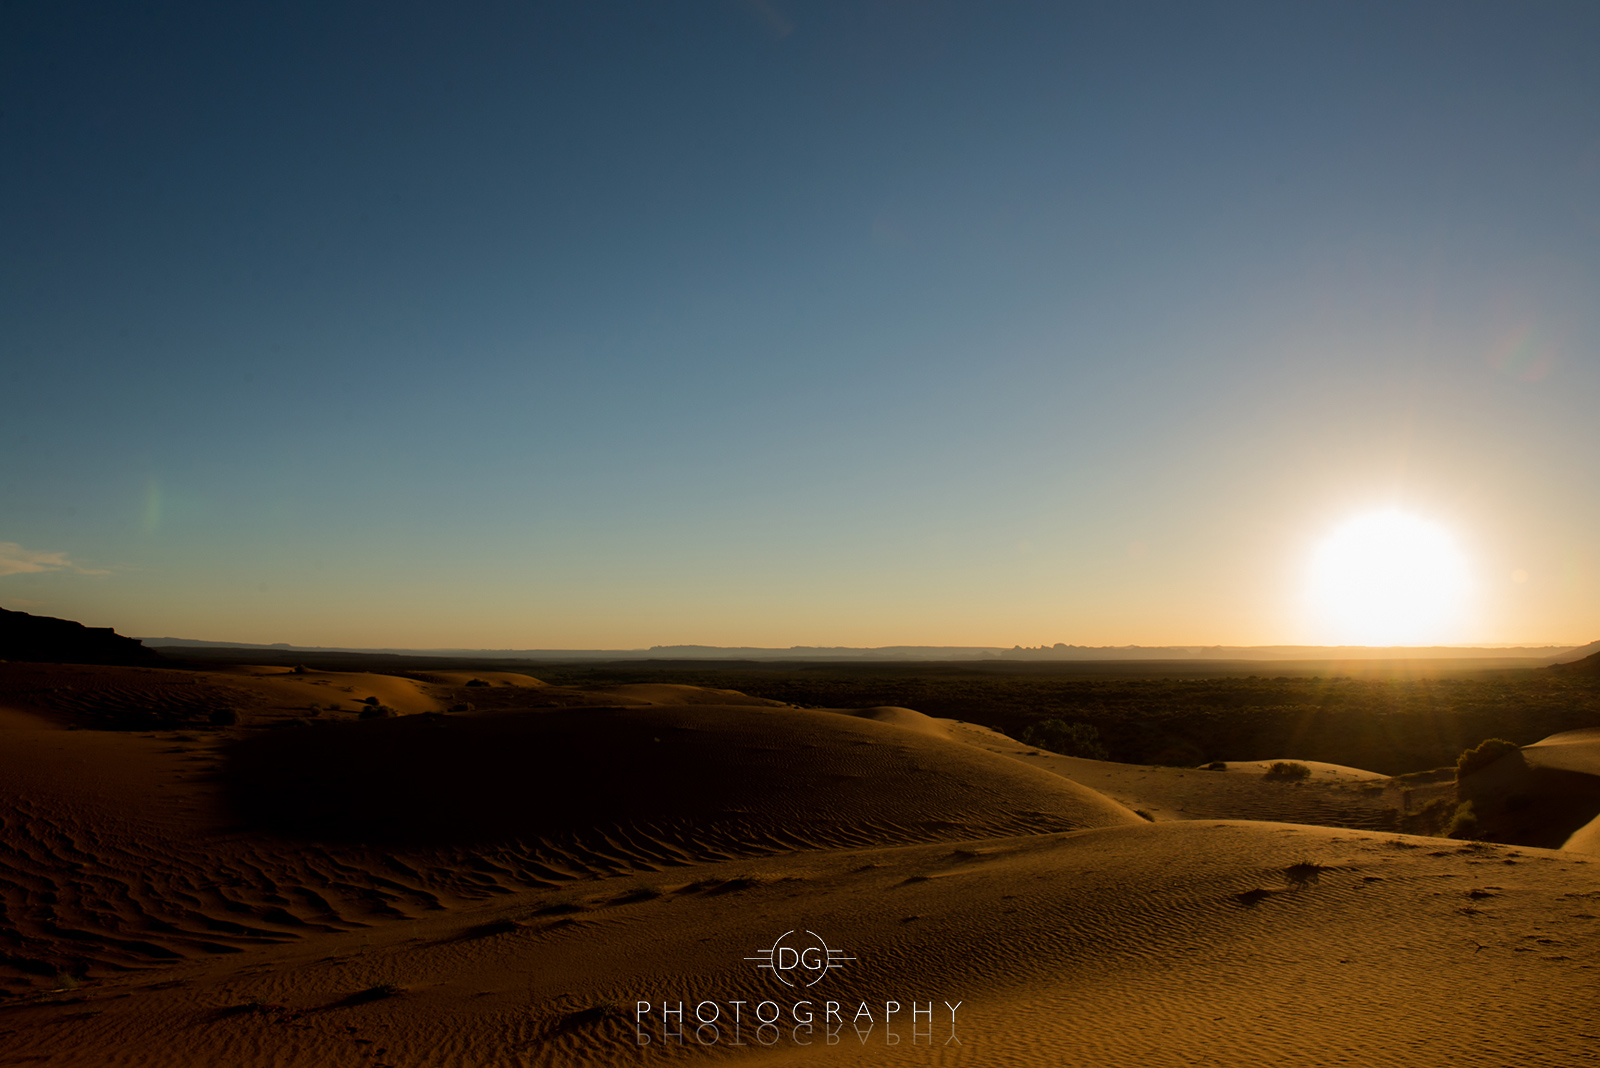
773 323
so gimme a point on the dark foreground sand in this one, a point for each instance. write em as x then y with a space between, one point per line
506 886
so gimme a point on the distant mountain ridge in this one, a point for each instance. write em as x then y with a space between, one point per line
1590 652
1546 653
1578 662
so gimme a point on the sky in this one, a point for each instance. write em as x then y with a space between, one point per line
608 325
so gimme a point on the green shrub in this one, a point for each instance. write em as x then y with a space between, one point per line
1068 739
1486 753
1289 771
1464 824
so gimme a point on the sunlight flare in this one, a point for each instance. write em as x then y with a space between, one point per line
1389 578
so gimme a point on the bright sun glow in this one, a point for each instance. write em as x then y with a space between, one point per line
1389 578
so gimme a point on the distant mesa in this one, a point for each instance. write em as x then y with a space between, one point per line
45 639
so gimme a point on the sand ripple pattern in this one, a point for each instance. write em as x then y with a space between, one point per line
90 887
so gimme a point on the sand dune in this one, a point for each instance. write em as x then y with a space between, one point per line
1334 796
668 693
1321 770
505 887
1576 752
905 718
293 692
186 843
1238 943
464 679
681 777
133 698
1542 795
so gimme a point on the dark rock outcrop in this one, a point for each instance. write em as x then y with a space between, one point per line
61 641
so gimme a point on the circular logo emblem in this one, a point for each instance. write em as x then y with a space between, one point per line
800 958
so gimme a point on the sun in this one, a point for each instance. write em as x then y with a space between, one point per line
1389 578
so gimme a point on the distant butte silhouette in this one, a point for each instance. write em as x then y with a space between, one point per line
61 641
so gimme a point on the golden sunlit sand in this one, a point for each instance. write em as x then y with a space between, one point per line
545 885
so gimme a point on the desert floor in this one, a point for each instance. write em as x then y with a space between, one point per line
544 878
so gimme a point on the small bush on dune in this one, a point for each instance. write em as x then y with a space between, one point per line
380 992
1464 824
477 682
1487 752
224 717
1302 873
1068 739
1288 771
376 711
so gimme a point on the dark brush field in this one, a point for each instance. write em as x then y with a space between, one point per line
1393 717
1392 725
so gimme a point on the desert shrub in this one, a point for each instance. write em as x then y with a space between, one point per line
371 994
463 706
224 717
1432 818
371 701
1487 752
1288 770
246 1008
1464 824
477 682
1068 739
1217 765
376 711
1302 873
